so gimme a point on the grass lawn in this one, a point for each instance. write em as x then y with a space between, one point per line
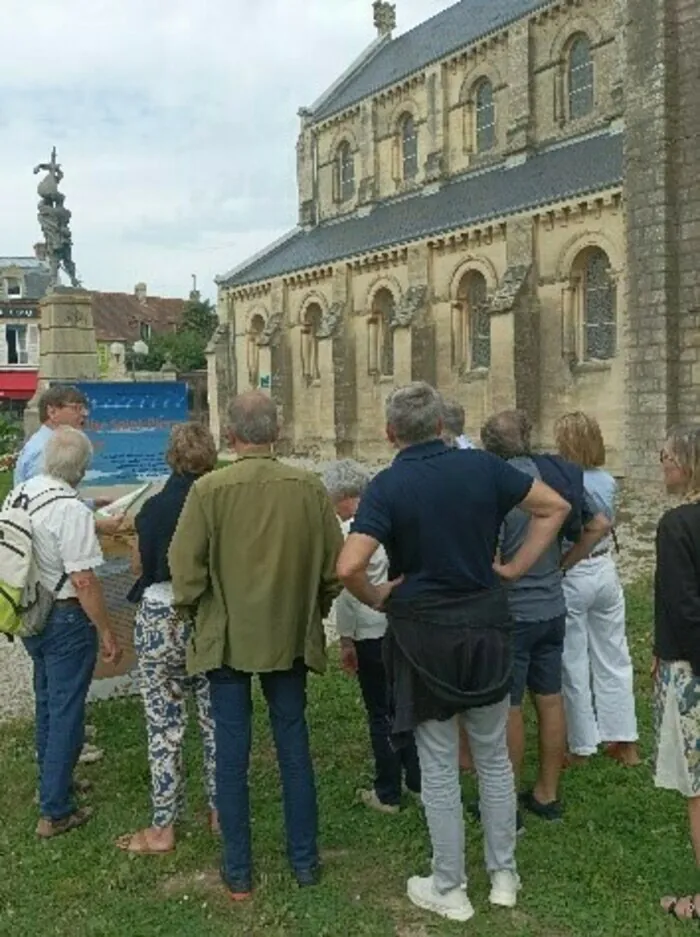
599 874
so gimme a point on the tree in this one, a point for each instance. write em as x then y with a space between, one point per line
184 348
199 318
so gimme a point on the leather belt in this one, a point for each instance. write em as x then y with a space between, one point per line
70 601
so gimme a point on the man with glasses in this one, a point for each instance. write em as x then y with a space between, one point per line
61 405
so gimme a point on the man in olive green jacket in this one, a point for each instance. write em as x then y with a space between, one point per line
254 554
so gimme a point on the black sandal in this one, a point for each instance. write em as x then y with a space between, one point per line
692 909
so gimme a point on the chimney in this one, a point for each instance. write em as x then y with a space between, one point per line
384 18
40 251
141 293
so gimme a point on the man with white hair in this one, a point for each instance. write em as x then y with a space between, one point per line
438 512
361 631
67 553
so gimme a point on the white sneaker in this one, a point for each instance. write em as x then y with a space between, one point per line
453 905
369 799
505 886
90 754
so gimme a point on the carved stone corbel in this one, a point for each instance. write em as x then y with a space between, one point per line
270 334
411 305
331 321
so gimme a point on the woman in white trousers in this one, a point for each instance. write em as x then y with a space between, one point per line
597 668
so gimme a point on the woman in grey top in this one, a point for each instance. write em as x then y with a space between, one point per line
361 630
597 668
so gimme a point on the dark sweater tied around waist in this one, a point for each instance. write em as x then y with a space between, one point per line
444 656
155 526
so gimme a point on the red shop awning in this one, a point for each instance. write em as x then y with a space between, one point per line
18 385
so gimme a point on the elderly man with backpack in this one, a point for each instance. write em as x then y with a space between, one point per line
537 603
51 597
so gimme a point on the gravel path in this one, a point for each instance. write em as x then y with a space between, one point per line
636 524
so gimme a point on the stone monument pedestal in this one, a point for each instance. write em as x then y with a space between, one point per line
68 345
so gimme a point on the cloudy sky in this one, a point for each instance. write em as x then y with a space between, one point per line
175 122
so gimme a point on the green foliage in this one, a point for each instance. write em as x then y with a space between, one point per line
199 318
184 348
10 435
600 873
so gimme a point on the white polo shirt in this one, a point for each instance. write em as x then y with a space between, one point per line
65 539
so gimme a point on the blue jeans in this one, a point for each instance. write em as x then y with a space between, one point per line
285 694
390 765
64 657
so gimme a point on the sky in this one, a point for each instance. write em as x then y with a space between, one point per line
175 122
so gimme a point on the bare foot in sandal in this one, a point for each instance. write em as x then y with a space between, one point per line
683 909
153 841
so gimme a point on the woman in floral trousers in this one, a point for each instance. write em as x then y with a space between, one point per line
160 639
676 667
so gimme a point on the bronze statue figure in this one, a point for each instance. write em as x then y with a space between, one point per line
54 219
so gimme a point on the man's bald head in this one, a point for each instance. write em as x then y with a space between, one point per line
507 434
253 419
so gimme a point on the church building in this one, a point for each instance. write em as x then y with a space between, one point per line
460 221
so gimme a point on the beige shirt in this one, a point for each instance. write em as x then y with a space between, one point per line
64 536
353 619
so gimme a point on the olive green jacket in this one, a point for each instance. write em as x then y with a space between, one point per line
255 552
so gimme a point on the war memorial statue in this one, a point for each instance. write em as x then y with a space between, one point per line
54 219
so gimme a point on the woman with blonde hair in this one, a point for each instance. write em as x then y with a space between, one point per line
676 666
160 638
597 680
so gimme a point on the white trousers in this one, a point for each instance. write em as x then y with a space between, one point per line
597 678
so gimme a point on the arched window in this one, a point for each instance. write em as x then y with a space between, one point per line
255 330
409 147
485 116
382 315
581 80
474 338
345 169
598 303
309 342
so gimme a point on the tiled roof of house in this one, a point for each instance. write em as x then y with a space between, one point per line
118 316
586 165
455 28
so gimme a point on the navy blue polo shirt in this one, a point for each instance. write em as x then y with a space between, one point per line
438 511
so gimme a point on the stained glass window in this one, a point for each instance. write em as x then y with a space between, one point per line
581 83
383 308
485 117
599 313
346 172
409 147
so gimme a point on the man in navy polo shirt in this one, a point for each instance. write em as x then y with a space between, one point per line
437 511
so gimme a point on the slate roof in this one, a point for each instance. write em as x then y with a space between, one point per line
118 316
455 28
37 275
586 165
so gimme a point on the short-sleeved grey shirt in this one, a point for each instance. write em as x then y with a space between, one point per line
538 596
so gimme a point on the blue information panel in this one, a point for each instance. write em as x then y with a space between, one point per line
129 426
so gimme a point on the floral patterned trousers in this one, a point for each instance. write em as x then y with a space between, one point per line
160 640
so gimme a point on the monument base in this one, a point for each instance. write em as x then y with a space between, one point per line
68 345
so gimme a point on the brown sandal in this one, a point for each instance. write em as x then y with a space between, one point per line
683 909
48 828
138 844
